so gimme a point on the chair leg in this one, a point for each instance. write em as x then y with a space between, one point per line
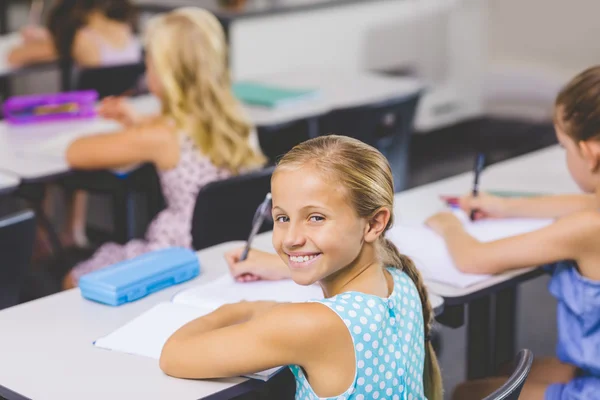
123 214
47 226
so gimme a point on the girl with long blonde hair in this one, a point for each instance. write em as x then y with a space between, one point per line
200 135
369 337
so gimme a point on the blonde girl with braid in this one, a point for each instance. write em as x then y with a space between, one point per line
369 337
201 134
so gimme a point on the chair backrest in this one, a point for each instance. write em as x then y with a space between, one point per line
375 123
111 81
511 389
17 234
276 140
224 209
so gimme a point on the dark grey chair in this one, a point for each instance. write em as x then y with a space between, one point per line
511 389
225 209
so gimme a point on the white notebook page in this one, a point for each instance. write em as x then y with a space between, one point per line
429 252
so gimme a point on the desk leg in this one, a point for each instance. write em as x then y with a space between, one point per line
505 326
478 339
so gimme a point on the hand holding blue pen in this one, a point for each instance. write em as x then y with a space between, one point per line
259 217
478 168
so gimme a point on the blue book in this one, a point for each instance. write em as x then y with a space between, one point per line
259 94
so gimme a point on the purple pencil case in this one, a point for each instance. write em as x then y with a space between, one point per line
50 107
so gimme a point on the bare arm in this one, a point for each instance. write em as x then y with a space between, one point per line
32 53
244 338
529 207
550 206
566 239
155 143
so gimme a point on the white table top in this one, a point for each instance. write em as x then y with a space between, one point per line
8 182
36 151
337 89
51 339
543 171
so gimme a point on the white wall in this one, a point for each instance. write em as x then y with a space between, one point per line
535 46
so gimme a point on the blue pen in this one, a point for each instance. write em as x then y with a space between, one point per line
259 217
479 165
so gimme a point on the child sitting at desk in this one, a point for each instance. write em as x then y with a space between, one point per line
201 135
92 33
369 338
575 236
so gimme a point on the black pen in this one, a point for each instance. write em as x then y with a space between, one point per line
259 217
479 165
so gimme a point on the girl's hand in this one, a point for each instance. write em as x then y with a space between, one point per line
258 265
486 206
443 222
118 109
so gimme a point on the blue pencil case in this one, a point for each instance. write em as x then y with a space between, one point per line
133 279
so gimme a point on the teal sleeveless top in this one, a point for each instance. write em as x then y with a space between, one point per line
389 343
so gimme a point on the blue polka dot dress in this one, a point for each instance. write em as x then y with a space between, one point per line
389 344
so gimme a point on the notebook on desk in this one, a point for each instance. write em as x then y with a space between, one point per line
258 94
147 334
429 252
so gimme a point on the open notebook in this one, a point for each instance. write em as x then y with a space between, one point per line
147 334
431 256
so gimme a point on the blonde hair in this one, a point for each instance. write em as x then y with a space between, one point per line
366 175
188 50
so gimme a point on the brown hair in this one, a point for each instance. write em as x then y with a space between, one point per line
366 175
68 16
579 106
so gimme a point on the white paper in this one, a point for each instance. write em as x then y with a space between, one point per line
147 334
428 250
226 290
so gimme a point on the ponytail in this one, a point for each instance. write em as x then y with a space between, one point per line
432 378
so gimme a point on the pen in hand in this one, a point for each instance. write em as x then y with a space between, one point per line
259 217
478 168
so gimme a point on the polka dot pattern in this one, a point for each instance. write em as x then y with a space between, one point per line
388 344
172 226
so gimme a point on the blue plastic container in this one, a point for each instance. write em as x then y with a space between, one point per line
133 279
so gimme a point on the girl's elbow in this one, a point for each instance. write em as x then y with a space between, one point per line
168 359
475 263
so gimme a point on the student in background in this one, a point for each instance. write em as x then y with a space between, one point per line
575 236
92 33
200 136
369 338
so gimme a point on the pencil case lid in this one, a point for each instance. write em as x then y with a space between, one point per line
133 279
50 107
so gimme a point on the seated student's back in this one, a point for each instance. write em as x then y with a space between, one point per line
200 136
90 32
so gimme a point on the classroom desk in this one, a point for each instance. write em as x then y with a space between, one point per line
30 151
47 349
337 89
488 328
8 182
